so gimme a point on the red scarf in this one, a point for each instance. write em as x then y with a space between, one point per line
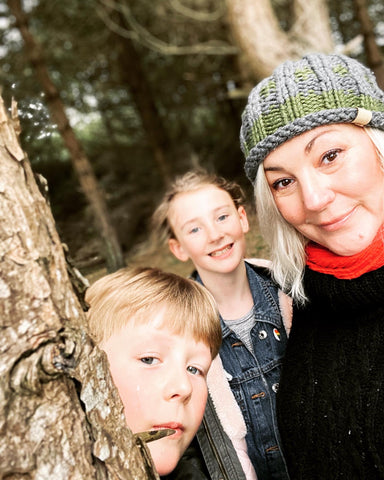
324 261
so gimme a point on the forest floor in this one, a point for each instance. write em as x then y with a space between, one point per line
155 255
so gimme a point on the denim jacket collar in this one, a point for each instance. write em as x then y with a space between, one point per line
265 297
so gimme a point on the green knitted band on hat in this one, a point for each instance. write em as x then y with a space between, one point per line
316 90
305 105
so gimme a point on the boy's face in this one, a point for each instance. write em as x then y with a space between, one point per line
209 230
161 379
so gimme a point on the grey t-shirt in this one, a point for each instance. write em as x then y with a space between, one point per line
242 328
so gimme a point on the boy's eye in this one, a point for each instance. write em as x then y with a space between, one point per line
194 230
149 360
223 217
194 370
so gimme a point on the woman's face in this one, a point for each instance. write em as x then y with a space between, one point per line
328 183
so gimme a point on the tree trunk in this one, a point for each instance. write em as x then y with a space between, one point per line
60 414
132 74
264 44
372 51
89 184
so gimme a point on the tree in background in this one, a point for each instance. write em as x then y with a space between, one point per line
133 75
94 194
374 56
263 42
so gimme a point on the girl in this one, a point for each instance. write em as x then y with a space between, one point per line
203 218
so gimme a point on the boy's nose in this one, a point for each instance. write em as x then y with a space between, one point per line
179 386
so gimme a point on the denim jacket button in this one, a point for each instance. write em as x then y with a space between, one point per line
275 387
263 334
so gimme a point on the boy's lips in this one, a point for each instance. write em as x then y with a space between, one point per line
221 251
178 427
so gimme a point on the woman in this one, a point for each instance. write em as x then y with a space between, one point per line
313 137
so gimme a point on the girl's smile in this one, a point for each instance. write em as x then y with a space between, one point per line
222 251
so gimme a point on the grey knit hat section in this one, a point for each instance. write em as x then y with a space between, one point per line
300 95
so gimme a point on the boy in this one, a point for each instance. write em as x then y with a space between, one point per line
203 218
160 333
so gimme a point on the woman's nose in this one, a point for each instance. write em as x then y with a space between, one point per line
316 192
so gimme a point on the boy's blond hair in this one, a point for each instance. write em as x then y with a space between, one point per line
190 181
137 294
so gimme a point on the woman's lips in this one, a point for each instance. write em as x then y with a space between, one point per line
337 223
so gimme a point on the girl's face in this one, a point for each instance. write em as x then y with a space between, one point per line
209 230
328 183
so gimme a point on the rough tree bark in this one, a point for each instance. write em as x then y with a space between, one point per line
264 44
372 50
88 182
60 414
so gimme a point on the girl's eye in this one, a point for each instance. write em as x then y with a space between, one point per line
223 217
194 230
194 370
281 184
149 360
330 156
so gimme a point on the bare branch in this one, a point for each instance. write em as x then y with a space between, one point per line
113 26
139 33
195 15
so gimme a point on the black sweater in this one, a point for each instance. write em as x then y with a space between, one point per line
330 404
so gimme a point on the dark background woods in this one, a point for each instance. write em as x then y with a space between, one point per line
115 98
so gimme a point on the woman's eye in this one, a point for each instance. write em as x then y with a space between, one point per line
330 156
194 370
283 183
149 360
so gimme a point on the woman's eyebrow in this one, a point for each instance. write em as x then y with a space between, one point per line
310 144
272 169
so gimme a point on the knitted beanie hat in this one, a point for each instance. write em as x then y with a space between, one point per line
300 95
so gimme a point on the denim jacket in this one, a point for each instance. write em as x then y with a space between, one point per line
254 377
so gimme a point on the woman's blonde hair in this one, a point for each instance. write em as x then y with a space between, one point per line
287 245
190 181
137 294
